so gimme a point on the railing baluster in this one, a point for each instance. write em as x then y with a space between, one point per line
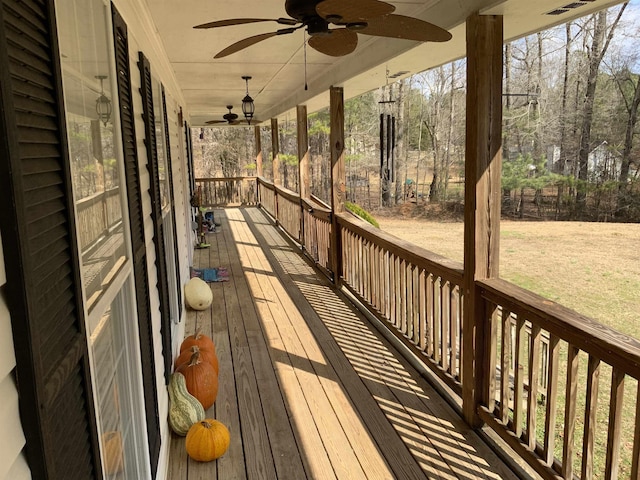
635 458
505 366
593 381
387 290
492 356
570 412
532 401
394 288
409 302
453 328
422 300
445 295
430 315
519 377
437 319
415 280
615 428
552 402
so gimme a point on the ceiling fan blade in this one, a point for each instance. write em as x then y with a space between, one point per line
247 42
242 21
339 42
213 122
353 11
408 28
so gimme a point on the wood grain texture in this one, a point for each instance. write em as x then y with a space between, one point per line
338 176
275 149
615 422
334 399
258 147
483 163
552 400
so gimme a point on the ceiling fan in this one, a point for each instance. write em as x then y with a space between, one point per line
369 17
231 118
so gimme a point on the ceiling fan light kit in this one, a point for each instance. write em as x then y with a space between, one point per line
332 23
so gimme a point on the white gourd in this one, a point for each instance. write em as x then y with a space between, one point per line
198 294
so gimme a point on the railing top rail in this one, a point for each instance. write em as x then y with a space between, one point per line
612 347
266 183
224 179
444 267
319 201
288 194
311 203
96 197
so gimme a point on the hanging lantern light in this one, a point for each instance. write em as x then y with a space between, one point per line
248 107
103 104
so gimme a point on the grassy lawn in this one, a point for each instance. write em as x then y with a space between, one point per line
592 268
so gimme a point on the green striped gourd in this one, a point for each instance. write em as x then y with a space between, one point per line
184 408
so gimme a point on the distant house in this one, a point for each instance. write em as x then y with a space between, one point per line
604 163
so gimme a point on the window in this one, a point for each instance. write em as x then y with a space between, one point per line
98 184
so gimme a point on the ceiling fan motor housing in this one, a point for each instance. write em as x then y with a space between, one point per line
302 10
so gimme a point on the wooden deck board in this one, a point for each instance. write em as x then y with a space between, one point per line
308 388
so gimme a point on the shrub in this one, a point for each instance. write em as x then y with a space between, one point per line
362 213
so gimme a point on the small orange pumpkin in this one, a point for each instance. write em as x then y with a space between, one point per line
206 355
202 341
207 440
201 380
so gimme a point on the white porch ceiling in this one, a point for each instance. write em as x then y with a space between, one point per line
277 65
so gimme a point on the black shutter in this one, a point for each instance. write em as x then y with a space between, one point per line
173 202
43 289
156 210
141 274
189 143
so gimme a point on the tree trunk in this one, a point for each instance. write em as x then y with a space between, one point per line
622 202
562 161
597 51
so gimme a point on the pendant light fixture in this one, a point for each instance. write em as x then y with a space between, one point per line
103 104
248 108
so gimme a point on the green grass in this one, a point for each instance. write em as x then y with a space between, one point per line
592 268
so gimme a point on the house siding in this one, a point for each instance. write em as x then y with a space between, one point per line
13 463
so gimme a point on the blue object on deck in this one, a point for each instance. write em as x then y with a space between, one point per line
219 274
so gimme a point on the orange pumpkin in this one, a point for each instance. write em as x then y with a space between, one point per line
206 355
113 454
201 380
200 340
207 440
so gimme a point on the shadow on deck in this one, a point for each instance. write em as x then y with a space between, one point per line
308 387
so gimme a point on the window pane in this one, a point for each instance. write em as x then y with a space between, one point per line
113 378
96 181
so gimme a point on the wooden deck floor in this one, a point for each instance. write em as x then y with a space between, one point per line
308 388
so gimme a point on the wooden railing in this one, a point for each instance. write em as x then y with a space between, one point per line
96 215
565 432
233 191
288 211
415 292
267 195
561 403
317 234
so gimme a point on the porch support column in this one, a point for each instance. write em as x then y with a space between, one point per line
304 164
258 144
275 148
338 179
483 162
